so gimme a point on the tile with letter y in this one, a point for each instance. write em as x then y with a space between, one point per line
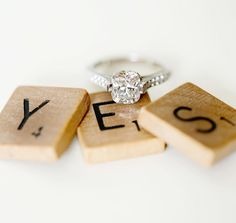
194 121
38 123
110 131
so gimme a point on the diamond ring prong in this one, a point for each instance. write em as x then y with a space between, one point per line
125 87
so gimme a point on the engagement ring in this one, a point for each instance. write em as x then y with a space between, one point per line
127 85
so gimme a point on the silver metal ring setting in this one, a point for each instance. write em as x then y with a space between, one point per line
126 87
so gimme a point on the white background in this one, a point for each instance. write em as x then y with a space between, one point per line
50 42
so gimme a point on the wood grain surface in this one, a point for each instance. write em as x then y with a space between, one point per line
38 123
110 131
194 121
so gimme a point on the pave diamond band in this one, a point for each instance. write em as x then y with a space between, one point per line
126 86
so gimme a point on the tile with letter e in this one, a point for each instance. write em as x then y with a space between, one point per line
194 121
38 123
110 131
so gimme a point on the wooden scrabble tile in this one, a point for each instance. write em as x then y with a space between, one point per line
110 131
194 121
38 123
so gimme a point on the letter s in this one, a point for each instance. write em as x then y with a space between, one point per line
197 118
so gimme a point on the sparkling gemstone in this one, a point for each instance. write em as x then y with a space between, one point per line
126 87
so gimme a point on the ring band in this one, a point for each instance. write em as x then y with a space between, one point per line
126 86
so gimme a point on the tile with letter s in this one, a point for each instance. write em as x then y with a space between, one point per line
38 123
193 121
110 131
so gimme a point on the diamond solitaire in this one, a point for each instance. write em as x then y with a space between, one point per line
126 87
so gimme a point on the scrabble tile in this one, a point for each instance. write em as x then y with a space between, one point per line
194 121
38 123
110 131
